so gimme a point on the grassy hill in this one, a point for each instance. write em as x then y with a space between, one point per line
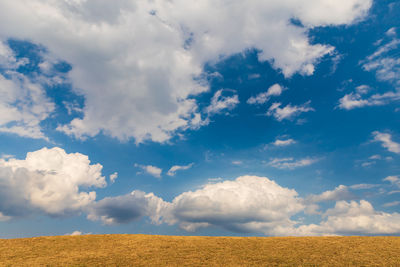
146 250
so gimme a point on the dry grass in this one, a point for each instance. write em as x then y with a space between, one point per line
145 250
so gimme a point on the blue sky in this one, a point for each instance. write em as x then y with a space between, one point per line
221 118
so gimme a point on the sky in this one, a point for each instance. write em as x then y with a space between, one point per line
216 118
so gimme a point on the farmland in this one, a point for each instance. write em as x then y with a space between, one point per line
147 250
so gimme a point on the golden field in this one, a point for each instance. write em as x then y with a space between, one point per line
147 250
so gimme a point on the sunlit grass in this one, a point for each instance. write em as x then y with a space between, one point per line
146 250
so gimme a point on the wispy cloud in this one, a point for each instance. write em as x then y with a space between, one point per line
172 171
387 142
284 142
274 90
394 180
356 100
220 102
391 204
291 163
385 64
288 112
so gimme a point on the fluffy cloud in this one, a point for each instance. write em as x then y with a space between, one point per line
172 171
49 181
150 169
291 163
23 101
387 142
274 90
77 233
288 112
250 204
127 208
138 63
246 204
113 177
355 218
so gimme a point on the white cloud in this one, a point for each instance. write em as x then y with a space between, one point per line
249 204
395 180
288 112
237 162
291 163
220 103
391 204
385 64
274 90
387 68
152 170
339 193
77 233
127 208
353 218
287 142
387 142
23 101
49 181
355 100
237 205
113 177
136 62
363 186
375 157
172 171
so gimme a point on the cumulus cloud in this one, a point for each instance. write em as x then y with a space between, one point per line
220 102
139 78
77 233
288 112
172 171
249 204
274 90
238 205
150 169
50 181
127 208
291 163
23 101
355 218
387 142
113 177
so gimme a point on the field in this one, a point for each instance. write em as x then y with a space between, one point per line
145 250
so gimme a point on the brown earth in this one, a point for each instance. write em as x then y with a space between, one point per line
147 250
